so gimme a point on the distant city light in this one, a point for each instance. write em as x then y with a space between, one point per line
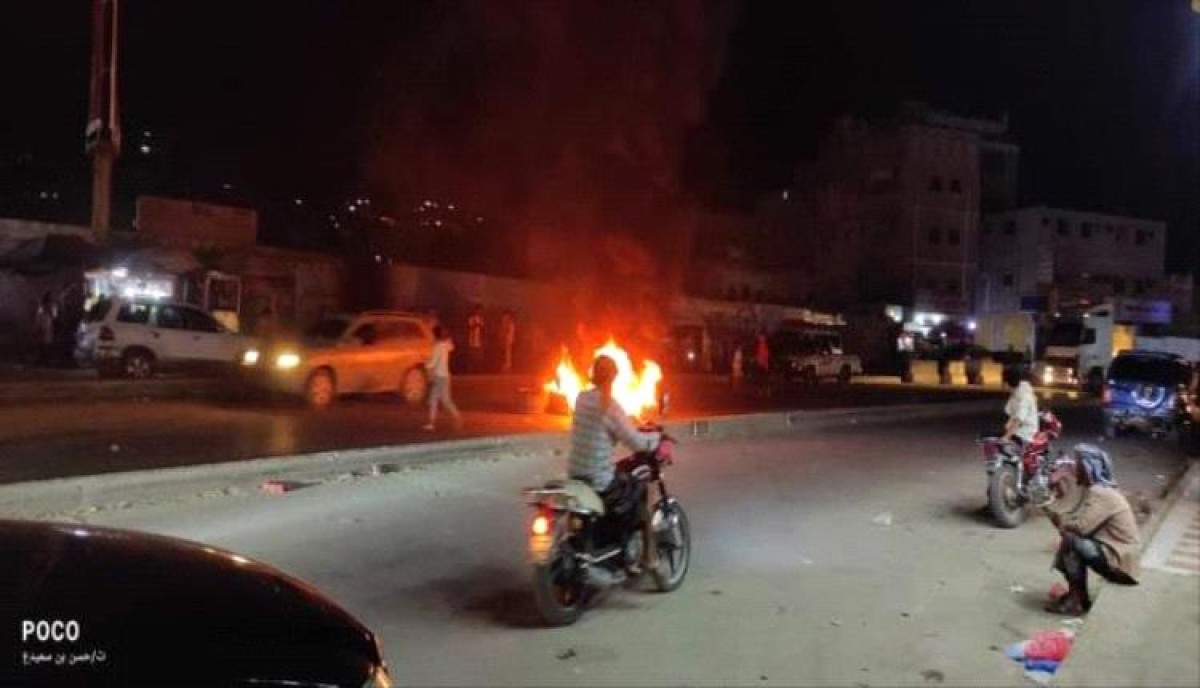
451 206
378 258
437 223
299 201
352 208
785 194
227 186
144 149
146 133
479 219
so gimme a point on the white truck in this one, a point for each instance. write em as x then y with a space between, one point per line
1127 324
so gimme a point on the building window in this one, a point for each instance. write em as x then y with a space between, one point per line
935 235
1045 221
951 286
1108 229
1139 237
955 186
1010 227
953 237
1085 230
1121 231
1008 279
1063 228
935 183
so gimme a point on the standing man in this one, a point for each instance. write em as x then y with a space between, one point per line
508 338
438 368
43 328
475 339
762 362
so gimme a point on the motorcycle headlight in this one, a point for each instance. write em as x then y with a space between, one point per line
287 361
250 357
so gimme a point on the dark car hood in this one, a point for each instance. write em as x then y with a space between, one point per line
170 612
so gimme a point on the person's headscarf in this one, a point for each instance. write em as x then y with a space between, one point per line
1096 464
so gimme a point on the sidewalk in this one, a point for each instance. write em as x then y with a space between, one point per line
1149 635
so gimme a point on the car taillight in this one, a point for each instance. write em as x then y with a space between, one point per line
106 334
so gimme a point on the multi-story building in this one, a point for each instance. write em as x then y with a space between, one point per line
894 206
1049 259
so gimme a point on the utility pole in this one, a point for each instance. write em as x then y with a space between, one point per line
103 134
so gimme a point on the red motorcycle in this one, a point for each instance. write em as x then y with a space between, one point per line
1018 476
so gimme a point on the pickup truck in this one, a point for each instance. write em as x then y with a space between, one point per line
809 356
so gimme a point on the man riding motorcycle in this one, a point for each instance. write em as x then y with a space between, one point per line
597 425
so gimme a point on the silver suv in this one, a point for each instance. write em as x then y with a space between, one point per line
374 351
136 338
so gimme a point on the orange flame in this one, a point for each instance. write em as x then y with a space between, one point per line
636 393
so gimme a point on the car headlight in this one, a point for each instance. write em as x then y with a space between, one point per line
1048 375
286 361
250 357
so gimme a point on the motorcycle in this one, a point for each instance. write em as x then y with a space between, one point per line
1021 476
577 550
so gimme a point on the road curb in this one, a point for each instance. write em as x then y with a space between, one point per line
1083 643
120 490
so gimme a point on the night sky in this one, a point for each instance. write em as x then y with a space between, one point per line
705 101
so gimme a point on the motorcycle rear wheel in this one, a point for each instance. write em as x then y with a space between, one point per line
674 543
1004 502
558 589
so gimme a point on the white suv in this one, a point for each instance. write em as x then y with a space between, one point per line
136 338
375 351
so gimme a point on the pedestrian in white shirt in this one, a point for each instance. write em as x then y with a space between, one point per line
438 367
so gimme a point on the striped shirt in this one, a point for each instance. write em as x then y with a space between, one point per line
595 432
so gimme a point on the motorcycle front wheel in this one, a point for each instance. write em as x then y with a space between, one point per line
558 588
673 539
1004 500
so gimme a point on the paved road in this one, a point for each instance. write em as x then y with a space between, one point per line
857 556
48 440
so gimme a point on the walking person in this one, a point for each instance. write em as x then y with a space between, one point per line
508 338
438 368
737 368
475 339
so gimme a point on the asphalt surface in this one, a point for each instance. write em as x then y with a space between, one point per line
42 440
856 556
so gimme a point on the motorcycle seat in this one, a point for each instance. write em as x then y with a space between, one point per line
577 494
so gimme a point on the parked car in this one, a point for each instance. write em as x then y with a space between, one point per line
808 356
1142 390
1188 413
374 351
105 607
136 338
